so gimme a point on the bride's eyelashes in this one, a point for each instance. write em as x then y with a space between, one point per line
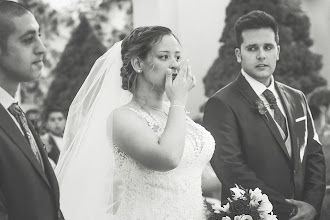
166 57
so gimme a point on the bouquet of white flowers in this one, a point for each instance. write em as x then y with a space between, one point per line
244 205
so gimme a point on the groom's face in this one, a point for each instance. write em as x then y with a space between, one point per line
258 53
23 58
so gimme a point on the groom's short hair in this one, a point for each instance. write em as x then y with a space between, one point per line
8 10
255 20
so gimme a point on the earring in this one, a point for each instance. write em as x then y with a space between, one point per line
139 71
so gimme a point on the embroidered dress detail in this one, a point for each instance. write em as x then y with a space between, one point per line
175 194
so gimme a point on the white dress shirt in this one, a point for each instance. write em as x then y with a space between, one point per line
7 100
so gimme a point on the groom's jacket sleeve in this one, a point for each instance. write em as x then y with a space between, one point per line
314 181
228 162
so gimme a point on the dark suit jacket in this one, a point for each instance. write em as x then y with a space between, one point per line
251 152
28 192
51 147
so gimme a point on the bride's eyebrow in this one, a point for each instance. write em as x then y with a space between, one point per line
166 51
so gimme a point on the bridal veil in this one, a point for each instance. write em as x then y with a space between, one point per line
85 170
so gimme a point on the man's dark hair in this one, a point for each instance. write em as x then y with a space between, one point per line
315 111
319 97
255 20
8 10
51 109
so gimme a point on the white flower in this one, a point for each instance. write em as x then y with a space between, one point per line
226 218
261 202
219 207
256 197
272 217
265 205
268 217
255 194
237 193
216 205
243 217
225 208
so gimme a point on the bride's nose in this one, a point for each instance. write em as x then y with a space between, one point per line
175 65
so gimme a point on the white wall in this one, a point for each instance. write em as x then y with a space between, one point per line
318 12
197 23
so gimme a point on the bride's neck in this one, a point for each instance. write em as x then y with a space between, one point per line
149 97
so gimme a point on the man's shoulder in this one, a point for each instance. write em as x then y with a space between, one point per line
226 92
290 90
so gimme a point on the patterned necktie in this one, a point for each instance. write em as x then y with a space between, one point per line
278 116
18 113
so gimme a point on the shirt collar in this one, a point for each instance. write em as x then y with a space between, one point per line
6 99
257 86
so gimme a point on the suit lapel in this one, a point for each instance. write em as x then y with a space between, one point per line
287 104
55 152
247 91
13 132
48 168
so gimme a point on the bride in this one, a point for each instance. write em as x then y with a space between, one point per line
119 126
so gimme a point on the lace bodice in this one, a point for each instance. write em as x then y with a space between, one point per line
175 194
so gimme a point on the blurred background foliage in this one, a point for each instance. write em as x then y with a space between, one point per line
76 60
75 37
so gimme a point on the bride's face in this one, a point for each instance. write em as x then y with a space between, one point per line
164 57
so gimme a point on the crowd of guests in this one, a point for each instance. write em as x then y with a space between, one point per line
50 124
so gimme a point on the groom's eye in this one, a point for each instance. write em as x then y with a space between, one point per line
269 47
252 48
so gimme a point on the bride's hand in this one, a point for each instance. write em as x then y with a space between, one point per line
177 89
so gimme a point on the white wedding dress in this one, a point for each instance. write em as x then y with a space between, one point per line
175 194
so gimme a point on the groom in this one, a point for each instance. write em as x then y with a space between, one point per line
263 129
28 186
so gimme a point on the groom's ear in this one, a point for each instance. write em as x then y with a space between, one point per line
238 55
278 52
136 64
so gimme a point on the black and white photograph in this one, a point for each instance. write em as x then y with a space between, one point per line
164 110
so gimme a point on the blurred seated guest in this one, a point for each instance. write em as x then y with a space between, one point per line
319 101
320 108
53 139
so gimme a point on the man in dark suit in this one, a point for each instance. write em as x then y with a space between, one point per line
263 129
54 123
28 186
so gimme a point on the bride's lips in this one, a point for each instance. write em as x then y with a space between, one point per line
38 63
